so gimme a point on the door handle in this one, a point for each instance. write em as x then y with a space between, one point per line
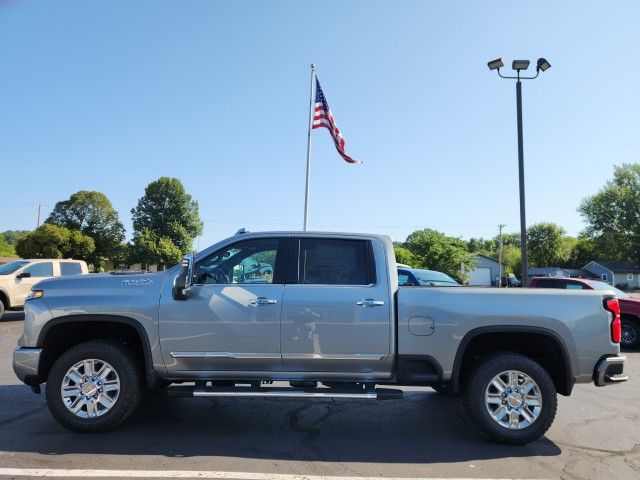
263 301
370 302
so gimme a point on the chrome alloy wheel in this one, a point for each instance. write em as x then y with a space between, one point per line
513 399
90 388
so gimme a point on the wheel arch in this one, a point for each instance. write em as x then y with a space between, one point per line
526 340
4 298
62 333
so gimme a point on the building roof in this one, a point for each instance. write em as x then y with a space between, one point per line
544 270
488 258
619 267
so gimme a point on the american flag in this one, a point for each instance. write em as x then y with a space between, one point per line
322 117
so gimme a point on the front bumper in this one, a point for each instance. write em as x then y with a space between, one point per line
610 370
25 365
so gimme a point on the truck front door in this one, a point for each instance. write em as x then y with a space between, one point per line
337 315
231 318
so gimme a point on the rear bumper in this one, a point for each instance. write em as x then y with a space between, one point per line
25 365
610 370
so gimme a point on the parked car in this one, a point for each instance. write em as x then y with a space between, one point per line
629 306
332 321
18 277
510 280
418 277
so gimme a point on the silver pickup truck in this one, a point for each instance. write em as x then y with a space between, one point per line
322 312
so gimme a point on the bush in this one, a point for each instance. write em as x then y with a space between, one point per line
622 286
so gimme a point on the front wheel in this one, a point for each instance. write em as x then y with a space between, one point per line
94 386
510 398
630 334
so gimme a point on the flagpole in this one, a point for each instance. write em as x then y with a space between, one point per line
311 104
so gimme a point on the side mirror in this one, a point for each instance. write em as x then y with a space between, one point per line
183 280
24 275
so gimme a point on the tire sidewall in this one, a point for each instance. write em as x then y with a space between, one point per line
477 409
636 327
121 360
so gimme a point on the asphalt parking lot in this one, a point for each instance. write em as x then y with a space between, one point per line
596 435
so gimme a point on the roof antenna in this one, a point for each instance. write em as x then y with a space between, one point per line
241 231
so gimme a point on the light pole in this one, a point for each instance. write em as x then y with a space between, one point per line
521 65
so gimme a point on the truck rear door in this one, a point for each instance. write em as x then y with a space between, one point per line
337 315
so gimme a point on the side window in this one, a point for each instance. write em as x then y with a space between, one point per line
44 269
246 262
70 268
335 262
547 283
405 279
574 286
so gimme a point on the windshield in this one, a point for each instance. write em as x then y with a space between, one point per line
11 267
605 286
432 278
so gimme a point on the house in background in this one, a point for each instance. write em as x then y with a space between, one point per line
547 272
561 272
486 272
615 273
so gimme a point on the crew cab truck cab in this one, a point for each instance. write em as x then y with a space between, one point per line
322 312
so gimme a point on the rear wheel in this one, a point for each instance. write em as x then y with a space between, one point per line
510 398
2 307
630 333
94 386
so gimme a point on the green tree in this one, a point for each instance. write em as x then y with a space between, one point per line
436 251
92 214
165 221
53 241
12 236
6 249
613 215
404 255
544 244
582 252
148 249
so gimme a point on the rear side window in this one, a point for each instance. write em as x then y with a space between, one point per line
70 268
44 269
325 261
547 283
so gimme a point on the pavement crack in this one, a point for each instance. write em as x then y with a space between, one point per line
21 416
634 449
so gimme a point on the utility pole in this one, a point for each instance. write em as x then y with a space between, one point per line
500 227
39 207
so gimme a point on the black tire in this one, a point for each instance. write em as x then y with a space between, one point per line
630 338
477 383
2 307
128 371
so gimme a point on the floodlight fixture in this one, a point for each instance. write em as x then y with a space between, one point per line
495 64
543 64
520 64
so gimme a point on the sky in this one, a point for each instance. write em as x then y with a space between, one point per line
110 96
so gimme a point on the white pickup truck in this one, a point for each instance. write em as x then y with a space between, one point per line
324 313
17 277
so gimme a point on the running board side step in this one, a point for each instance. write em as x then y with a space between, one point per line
286 392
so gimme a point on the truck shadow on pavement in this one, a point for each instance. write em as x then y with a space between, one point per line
424 427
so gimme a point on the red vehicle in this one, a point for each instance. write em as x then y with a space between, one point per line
629 306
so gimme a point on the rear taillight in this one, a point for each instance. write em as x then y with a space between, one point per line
613 306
